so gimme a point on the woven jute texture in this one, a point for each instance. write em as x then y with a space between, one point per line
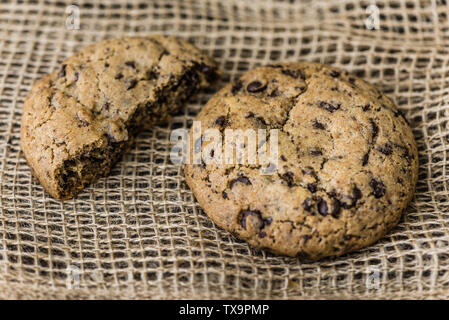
139 233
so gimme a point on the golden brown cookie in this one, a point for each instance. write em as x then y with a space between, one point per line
347 164
78 121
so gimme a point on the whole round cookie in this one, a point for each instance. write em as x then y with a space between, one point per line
346 170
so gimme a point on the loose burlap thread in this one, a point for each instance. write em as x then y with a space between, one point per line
139 233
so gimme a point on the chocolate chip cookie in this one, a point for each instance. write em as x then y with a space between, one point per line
78 121
346 169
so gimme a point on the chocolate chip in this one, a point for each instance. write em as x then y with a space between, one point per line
375 129
309 170
151 75
118 76
283 158
347 205
318 125
406 153
205 68
268 221
288 177
366 107
306 237
253 213
221 121
262 234
236 87
208 71
336 208
190 77
132 84
352 80
334 73
62 72
131 64
259 118
312 187
329 106
275 93
241 179
322 207
365 159
255 86
293 73
224 195
316 152
386 149
378 188
307 204
106 65
106 106
332 194
357 194
401 114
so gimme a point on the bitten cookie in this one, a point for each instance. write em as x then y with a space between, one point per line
347 164
78 121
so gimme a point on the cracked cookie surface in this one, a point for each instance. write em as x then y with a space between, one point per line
347 166
79 120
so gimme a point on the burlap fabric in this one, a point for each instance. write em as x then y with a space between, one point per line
139 233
